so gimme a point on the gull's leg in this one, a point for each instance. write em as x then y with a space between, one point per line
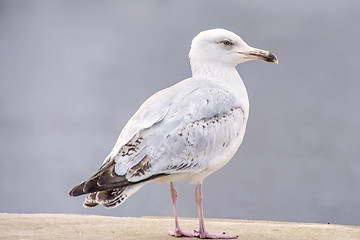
178 232
202 232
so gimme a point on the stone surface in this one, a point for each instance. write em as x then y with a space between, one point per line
68 226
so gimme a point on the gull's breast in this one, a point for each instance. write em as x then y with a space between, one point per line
203 146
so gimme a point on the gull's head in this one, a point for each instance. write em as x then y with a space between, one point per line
220 47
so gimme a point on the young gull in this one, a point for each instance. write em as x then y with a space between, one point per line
184 132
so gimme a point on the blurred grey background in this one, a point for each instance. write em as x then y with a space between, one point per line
73 72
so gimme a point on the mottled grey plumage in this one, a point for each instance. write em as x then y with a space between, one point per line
186 131
191 121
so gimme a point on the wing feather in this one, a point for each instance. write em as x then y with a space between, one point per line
195 123
177 130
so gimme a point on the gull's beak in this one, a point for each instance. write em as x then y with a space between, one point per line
260 54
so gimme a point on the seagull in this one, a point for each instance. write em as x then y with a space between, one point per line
184 132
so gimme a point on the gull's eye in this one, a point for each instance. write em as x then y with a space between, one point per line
227 42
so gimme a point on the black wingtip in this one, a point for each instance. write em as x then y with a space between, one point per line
77 190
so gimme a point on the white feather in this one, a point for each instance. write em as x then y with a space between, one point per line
193 128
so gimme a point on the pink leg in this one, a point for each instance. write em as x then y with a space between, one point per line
178 232
202 232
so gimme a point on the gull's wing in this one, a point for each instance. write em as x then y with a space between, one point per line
174 131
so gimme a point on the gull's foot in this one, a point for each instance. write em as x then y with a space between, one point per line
194 233
181 233
215 235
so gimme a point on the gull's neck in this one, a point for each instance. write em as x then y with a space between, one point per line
225 76
217 73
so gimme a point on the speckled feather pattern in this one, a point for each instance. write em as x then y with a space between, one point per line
198 126
184 132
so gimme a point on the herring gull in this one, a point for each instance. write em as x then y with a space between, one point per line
184 132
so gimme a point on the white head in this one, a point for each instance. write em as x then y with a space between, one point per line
220 47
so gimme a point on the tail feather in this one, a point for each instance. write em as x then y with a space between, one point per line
107 179
108 188
90 200
111 198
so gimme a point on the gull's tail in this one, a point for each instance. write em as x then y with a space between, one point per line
111 198
108 188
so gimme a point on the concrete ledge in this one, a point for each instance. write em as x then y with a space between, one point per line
68 226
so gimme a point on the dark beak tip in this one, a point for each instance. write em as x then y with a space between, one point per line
272 58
